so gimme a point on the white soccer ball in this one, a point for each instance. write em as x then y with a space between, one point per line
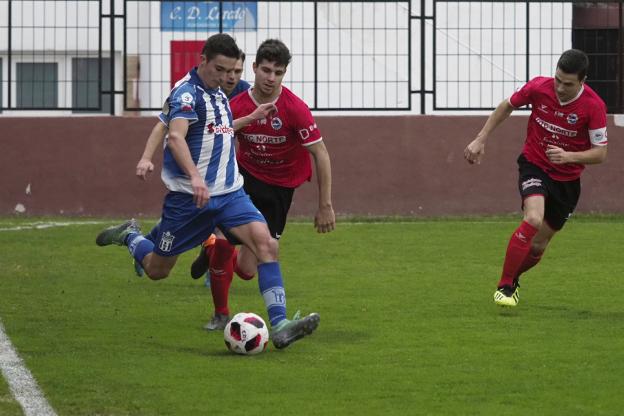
246 333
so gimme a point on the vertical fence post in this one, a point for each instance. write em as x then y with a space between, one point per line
423 54
528 55
112 56
316 54
10 54
619 58
220 16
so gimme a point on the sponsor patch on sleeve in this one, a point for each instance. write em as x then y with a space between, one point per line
598 137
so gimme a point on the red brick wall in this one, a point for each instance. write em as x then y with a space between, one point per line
394 165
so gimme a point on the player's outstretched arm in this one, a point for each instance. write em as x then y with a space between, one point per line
154 141
262 111
325 219
476 148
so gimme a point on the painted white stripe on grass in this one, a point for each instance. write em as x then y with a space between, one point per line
44 225
21 382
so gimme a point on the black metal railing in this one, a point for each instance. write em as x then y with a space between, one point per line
418 56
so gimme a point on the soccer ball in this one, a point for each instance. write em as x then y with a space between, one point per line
246 333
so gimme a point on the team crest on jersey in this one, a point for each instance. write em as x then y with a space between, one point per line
276 123
572 118
166 242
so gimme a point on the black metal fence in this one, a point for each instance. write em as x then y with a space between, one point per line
417 56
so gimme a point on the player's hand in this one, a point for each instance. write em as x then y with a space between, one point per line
263 111
144 168
557 155
200 191
475 151
325 220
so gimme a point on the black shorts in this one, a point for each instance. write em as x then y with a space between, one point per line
271 200
560 197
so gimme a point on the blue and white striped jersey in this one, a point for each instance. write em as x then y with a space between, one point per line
210 137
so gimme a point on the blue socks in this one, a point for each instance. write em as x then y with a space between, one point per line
139 246
272 290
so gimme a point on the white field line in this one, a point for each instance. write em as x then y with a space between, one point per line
44 225
21 382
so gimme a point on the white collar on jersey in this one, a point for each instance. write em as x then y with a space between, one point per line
573 99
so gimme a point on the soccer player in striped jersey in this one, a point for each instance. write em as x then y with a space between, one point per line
567 130
232 86
205 187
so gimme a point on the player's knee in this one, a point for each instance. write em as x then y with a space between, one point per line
267 249
534 219
157 274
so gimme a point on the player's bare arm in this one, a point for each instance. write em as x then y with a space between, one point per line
476 148
179 149
325 219
261 112
595 155
154 141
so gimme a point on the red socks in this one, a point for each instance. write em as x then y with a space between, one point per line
221 273
517 251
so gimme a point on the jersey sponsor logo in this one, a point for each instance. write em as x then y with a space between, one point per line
572 118
553 128
531 183
166 242
276 123
264 139
598 136
186 101
305 133
543 108
212 129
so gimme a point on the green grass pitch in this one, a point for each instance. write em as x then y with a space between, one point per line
408 326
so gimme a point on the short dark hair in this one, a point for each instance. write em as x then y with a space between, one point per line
242 56
220 44
574 61
273 50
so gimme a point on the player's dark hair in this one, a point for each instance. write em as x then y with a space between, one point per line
574 61
273 50
220 44
242 56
